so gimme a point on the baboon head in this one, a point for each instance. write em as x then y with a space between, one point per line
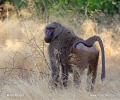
52 30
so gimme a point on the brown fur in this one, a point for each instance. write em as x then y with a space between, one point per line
63 53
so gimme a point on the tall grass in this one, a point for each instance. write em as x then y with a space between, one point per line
24 64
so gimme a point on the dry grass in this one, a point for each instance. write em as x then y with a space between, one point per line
24 71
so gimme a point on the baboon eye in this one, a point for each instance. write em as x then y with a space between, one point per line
50 28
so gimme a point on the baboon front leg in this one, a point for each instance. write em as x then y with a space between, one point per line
64 76
55 73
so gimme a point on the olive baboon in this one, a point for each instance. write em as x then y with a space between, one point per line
71 52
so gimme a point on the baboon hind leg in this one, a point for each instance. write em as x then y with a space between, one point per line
77 73
76 79
92 72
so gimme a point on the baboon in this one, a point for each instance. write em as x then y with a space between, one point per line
72 54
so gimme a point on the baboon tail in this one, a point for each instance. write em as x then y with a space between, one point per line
91 41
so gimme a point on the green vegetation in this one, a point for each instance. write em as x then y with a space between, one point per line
41 8
109 7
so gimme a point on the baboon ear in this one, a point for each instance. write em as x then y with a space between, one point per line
58 30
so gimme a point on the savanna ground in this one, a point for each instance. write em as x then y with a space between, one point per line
24 63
